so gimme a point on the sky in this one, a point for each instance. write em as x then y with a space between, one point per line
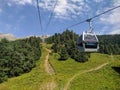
20 17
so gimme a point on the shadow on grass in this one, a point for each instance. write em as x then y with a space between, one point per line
117 69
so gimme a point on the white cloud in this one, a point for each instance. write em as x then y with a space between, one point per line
65 8
113 19
98 1
116 31
9 4
20 2
116 2
102 30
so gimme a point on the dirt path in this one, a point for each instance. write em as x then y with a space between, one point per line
85 71
48 67
51 85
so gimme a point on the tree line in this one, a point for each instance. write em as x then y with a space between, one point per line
66 45
109 44
18 57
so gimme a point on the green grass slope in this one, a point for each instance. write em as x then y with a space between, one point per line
29 81
105 78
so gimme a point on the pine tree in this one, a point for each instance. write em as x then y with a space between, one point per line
63 54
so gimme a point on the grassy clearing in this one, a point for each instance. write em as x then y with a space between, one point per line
29 81
103 79
66 69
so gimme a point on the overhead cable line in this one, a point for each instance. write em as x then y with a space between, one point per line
88 20
51 15
39 15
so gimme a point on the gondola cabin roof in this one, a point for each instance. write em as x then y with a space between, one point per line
89 37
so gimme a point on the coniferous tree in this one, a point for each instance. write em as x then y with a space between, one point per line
108 44
18 57
63 54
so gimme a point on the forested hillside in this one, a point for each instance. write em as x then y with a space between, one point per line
66 45
17 57
109 44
